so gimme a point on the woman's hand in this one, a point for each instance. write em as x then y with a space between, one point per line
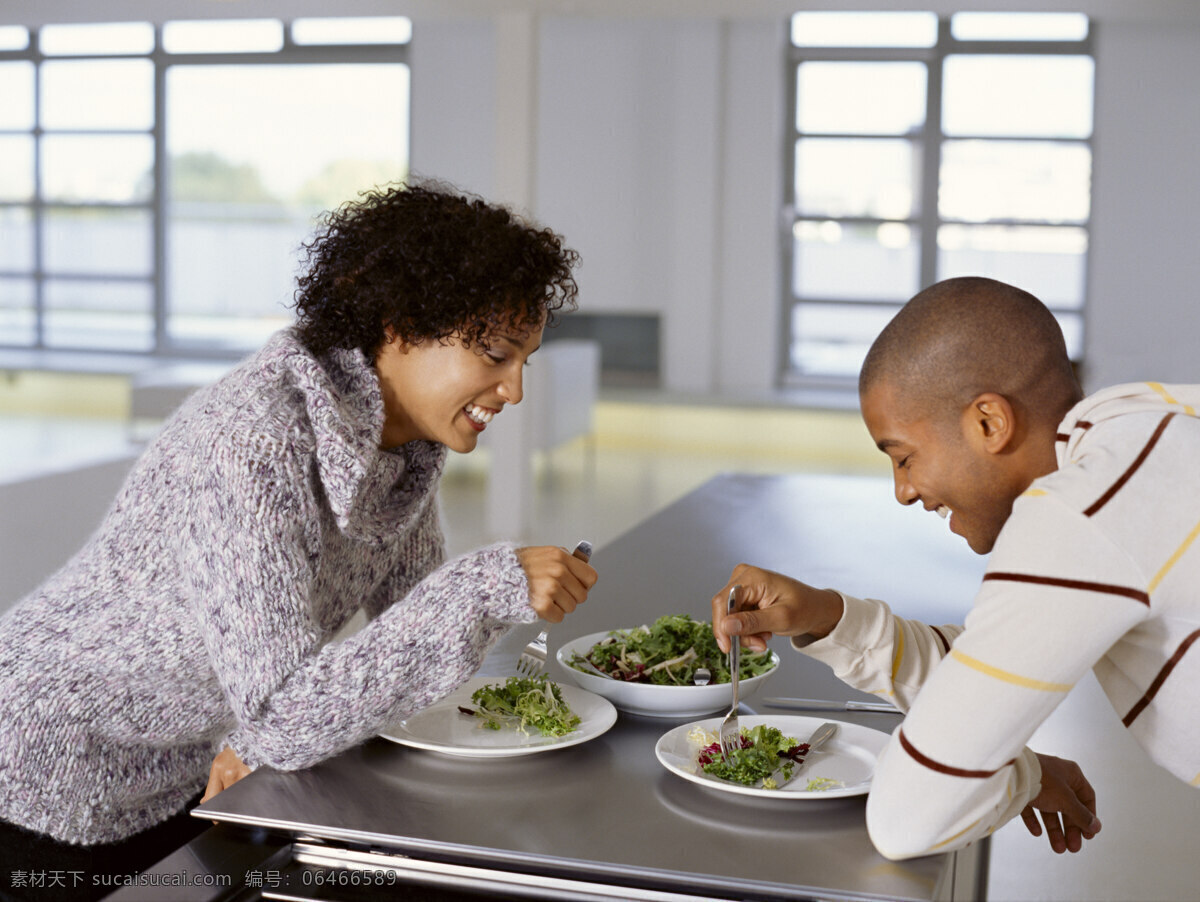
558 581
1067 804
771 604
227 769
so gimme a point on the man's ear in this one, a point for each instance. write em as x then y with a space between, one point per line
989 421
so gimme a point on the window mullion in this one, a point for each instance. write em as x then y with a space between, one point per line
159 294
38 205
931 157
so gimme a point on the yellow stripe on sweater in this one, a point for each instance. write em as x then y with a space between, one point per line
1005 676
946 842
1166 396
1173 559
898 655
1196 780
1034 493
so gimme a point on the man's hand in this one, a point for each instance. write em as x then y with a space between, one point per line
1067 804
558 581
771 604
227 769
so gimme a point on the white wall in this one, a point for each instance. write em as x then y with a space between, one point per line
1145 263
658 156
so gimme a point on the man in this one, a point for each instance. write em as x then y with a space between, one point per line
1089 507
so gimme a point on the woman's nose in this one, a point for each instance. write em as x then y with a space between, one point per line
511 388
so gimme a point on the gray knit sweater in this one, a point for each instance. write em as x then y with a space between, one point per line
256 524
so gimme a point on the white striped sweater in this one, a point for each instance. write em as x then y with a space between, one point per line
1096 568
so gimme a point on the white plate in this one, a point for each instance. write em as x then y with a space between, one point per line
443 728
651 699
848 757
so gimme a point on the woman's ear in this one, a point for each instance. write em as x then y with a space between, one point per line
990 421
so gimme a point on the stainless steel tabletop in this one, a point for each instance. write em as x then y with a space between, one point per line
606 810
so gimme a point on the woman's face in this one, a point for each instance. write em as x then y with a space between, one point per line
443 391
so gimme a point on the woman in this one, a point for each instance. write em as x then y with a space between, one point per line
273 506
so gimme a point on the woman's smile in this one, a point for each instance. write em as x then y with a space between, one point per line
478 416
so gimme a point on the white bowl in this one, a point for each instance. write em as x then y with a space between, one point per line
651 699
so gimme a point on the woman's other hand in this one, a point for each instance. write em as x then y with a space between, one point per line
558 581
771 604
227 769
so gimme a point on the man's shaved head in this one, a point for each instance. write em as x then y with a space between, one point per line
962 337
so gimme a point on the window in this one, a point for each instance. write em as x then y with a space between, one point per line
156 185
920 149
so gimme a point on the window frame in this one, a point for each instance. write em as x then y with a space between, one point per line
290 53
928 220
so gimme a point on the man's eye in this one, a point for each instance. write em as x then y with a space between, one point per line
903 465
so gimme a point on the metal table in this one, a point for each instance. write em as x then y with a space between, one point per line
604 820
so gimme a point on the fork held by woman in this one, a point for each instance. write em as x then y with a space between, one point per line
532 661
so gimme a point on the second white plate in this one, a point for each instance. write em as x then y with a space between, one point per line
849 757
443 728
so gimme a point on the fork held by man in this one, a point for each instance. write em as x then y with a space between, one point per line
731 737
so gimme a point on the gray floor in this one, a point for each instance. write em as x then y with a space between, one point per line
641 460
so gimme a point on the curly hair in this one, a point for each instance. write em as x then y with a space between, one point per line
430 263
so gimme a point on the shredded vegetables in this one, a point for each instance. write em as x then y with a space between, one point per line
764 749
668 652
523 702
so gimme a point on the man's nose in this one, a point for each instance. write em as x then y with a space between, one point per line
905 493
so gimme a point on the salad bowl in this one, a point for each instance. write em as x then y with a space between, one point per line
651 699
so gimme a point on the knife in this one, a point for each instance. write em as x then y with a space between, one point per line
822 735
818 704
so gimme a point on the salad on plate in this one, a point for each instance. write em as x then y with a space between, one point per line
667 652
764 750
521 703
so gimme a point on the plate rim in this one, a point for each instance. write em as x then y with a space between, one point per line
605 718
805 722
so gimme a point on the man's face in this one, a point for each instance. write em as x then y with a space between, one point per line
943 465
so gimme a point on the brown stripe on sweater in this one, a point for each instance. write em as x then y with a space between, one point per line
1082 426
941 635
926 761
1160 679
1084 585
1133 467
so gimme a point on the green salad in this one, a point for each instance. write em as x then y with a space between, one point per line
764 749
523 702
667 652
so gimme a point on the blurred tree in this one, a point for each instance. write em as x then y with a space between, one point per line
344 180
207 176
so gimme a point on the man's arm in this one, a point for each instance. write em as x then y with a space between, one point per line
867 646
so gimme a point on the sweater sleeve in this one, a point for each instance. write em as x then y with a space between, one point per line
297 699
875 651
1057 594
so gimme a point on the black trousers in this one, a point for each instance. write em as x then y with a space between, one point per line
34 866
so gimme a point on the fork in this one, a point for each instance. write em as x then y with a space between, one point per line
731 737
533 659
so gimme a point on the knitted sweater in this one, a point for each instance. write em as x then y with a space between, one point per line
1097 567
261 518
